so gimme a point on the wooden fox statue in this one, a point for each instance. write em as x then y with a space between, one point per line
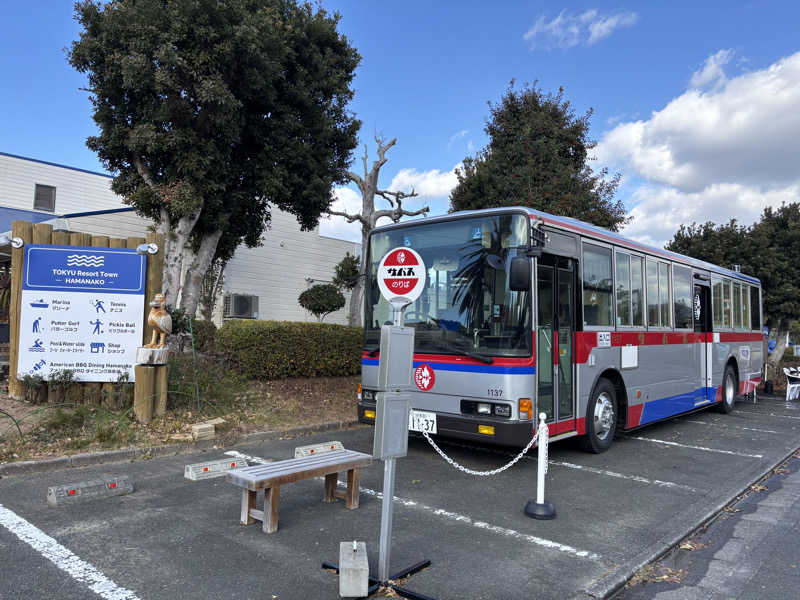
160 320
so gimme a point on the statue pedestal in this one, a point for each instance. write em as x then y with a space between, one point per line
150 389
152 356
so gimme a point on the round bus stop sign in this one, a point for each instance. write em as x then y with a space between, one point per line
401 275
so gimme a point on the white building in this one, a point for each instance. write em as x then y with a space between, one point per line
261 282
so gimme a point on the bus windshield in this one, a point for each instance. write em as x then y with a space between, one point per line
466 307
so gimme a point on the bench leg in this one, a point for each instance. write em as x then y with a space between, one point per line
330 487
248 502
272 499
351 500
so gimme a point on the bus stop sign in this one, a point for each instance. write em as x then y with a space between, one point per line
401 275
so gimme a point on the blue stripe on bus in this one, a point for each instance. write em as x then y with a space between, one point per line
437 366
655 410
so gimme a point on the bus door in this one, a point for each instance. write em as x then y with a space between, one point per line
701 309
555 298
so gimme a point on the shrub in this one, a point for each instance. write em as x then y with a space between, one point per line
321 300
204 335
275 350
216 385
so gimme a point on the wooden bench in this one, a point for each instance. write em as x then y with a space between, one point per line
271 476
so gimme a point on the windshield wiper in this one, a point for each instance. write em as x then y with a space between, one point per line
481 357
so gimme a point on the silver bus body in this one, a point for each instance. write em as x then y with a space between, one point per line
660 360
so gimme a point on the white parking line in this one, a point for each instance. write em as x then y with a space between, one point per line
251 459
488 527
607 473
752 412
638 478
703 448
65 560
733 426
440 512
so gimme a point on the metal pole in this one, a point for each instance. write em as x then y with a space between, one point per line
386 519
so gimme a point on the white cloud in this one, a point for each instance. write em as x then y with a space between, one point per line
711 75
349 201
661 210
568 30
457 136
712 155
434 183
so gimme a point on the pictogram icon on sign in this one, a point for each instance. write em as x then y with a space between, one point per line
424 377
401 275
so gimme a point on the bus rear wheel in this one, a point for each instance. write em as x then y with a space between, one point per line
601 418
730 387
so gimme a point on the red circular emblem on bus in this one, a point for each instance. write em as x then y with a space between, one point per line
424 377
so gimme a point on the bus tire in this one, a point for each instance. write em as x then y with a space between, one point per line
601 418
729 390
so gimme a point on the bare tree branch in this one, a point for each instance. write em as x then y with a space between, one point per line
398 196
350 218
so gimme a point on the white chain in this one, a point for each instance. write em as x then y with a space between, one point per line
481 473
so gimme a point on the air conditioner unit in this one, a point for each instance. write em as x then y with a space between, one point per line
240 306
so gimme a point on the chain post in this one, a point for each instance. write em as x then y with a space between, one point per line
540 509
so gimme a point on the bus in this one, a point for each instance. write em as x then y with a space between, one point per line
524 312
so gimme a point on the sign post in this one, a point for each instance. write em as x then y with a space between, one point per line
401 280
82 311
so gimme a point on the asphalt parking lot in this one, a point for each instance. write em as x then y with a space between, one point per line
175 538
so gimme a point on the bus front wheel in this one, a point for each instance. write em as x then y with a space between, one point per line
601 418
730 387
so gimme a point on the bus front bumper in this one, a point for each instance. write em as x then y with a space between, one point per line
464 427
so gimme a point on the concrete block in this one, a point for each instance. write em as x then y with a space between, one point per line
59 495
314 449
203 431
214 468
353 570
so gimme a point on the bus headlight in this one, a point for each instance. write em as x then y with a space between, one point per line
484 408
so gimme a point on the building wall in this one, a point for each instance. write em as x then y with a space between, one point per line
288 262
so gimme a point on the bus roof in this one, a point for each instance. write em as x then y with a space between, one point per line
584 229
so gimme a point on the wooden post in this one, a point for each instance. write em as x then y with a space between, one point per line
24 230
143 393
117 243
160 391
60 238
42 234
155 272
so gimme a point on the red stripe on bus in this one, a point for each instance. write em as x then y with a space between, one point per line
734 336
527 361
586 341
561 427
634 415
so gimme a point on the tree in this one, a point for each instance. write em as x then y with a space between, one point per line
537 157
346 272
767 250
212 113
368 217
211 287
321 300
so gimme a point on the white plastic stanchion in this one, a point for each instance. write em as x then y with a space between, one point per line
541 509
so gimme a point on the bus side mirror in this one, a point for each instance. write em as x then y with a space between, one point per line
520 274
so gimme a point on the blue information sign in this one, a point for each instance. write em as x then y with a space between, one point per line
83 269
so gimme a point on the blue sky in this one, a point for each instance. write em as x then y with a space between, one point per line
695 103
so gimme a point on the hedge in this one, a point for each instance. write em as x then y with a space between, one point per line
279 349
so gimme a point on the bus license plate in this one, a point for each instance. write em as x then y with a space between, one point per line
424 422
